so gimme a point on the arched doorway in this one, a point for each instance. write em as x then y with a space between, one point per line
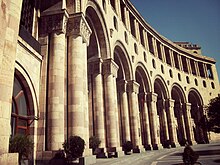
177 95
197 114
162 123
123 76
142 78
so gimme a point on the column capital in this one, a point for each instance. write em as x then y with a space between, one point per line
54 22
78 26
95 66
110 67
133 86
152 96
170 103
122 85
187 106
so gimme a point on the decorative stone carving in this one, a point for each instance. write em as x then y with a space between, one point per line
110 67
133 86
78 26
55 23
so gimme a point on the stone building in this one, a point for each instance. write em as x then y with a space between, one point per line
97 68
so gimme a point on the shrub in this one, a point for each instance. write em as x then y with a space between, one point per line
74 147
94 142
22 145
127 146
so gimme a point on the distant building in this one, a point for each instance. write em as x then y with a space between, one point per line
96 68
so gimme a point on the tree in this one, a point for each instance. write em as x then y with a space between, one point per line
214 114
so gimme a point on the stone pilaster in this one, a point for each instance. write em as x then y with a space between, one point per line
122 88
146 123
78 33
188 124
110 69
133 89
152 100
171 122
55 26
10 18
95 68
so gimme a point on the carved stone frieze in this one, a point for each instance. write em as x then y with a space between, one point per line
55 23
78 26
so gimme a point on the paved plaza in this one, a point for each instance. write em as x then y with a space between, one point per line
209 155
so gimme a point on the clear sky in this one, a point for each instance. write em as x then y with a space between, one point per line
196 21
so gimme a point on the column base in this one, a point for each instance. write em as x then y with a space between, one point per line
157 146
147 147
175 144
100 153
115 152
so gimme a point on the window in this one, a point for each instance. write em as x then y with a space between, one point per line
150 43
135 48
167 54
20 110
193 67
201 69
27 15
204 84
141 34
175 55
209 70
184 62
187 79
145 56
126 37
153 63
115 23
122 12
162 69
179 77
213 85
132 24
196 82
171 73
112 2
159 50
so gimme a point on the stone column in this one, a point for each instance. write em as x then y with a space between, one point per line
122 88
78 33
188 124
180 121
146 124
56 82
163 119
171 122
133 88
152 100
54 25
110 69
95 68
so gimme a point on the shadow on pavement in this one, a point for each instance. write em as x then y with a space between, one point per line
201 153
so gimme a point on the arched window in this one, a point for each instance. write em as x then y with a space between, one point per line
20 109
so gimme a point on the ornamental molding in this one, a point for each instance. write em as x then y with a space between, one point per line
54 23
78 26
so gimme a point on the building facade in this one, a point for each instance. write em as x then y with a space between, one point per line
97 68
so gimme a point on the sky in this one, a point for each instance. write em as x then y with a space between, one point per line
195 21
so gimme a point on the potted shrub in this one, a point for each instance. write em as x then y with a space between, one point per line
189 155
74 148
94 143
23 145
127 147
